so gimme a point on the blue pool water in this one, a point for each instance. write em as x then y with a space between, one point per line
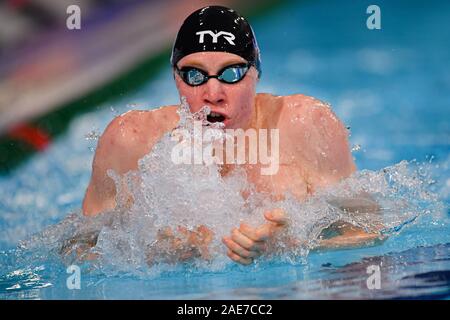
390 86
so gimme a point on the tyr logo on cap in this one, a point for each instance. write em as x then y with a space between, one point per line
227 35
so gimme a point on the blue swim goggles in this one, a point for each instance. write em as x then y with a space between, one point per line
230 74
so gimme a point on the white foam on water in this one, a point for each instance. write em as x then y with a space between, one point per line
133 237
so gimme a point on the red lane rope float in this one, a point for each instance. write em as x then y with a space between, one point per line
34 136
17 3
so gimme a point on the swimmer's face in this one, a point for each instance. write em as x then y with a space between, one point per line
234 101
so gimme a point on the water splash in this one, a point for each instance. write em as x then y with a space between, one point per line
92 135
356 147
162 204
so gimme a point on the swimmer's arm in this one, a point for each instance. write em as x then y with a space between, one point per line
328 161
180 245
319 144
348 234
123 143
246 243
78 248
350 237
101 191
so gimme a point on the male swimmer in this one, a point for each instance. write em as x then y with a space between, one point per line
216 62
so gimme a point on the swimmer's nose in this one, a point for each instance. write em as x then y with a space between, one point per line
214 93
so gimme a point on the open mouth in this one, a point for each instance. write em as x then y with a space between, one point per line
215 117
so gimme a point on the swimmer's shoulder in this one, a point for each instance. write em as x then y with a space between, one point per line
125 140
285 110
136 124
162 119
300 111
133 133
300 103
312 125
293 100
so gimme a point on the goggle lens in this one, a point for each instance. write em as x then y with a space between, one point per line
231 74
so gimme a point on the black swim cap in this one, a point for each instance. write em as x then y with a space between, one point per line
216 28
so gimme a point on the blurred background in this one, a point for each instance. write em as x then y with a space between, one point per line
59 88
49 73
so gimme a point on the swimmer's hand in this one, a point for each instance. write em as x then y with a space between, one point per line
77 249
180 246
246 243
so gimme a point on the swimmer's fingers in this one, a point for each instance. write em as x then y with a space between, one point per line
266 231
260 234
202 232
250 232
247 243
183 231
277 216
239 250
205 234
236 258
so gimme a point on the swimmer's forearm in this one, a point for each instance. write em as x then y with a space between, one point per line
349 241
180 246
79 247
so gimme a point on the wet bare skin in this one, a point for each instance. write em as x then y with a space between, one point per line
314 148
302 170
